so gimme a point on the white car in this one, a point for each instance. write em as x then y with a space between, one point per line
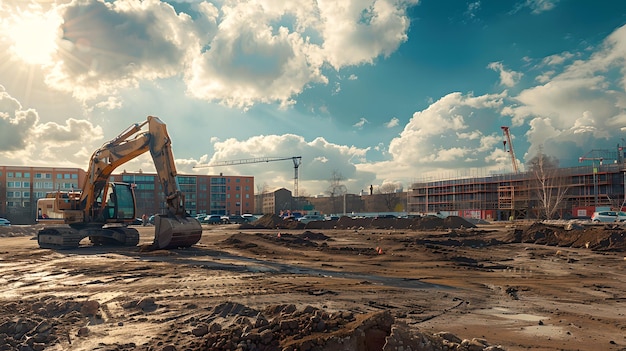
4 222
310 218
608 216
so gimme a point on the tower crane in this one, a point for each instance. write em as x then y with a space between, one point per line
297 160
510 150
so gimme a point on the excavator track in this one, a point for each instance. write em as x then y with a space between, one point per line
62 238
59 238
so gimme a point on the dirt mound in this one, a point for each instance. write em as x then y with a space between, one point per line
596 237
19 230
50 322
345 222
272 221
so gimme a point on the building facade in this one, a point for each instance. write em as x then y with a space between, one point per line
277 201
21 187
518 196
209 194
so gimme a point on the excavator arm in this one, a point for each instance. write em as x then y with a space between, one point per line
130 144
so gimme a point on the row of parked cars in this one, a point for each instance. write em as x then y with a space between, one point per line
232 219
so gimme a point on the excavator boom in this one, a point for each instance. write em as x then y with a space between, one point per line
103 220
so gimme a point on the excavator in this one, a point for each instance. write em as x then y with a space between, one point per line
102 210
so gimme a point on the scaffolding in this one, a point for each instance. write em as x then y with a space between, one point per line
506 196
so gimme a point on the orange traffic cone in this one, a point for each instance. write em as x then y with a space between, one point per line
380 250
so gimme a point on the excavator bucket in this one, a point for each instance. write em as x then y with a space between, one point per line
176 231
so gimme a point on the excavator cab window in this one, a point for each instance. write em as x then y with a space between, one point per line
120 202
125 201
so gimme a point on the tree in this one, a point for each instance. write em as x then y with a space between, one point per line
550 185
390 195
336 189
262 188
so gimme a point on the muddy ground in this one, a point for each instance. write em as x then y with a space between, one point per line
354 286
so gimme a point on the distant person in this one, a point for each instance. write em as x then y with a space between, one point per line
144 220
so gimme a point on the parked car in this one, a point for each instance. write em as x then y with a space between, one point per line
311 218
212 219
249 217
237 219
4 222
331 218
608 216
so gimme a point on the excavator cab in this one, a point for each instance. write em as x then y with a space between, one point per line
120 203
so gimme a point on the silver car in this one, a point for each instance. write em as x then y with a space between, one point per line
4 222
608 216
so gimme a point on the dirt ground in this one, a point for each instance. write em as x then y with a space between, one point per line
351 285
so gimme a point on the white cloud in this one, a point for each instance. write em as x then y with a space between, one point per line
393 122
240 54
26 141
443 138
557 59
539 6
319 159
581 108
508 78
16 124
362 121
108 46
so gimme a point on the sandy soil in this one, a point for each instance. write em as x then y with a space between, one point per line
494 287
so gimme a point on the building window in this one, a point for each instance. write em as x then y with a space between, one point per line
48 176
26 174
26 194
59 176
14 184
74 176
66 176
25 184
9 174
38 175
18 174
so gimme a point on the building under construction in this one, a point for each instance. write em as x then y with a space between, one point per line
571 192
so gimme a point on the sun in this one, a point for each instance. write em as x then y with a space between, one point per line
33 36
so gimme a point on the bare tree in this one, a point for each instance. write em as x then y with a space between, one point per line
262 188
390 195
336 189
550 184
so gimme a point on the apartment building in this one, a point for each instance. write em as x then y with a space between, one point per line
210 194
22 186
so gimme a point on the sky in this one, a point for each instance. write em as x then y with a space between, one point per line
368 91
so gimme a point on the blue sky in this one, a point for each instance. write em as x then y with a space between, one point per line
378 91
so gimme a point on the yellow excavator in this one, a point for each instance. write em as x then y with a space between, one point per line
102 210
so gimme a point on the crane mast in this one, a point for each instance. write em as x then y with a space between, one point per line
510 149
297 161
